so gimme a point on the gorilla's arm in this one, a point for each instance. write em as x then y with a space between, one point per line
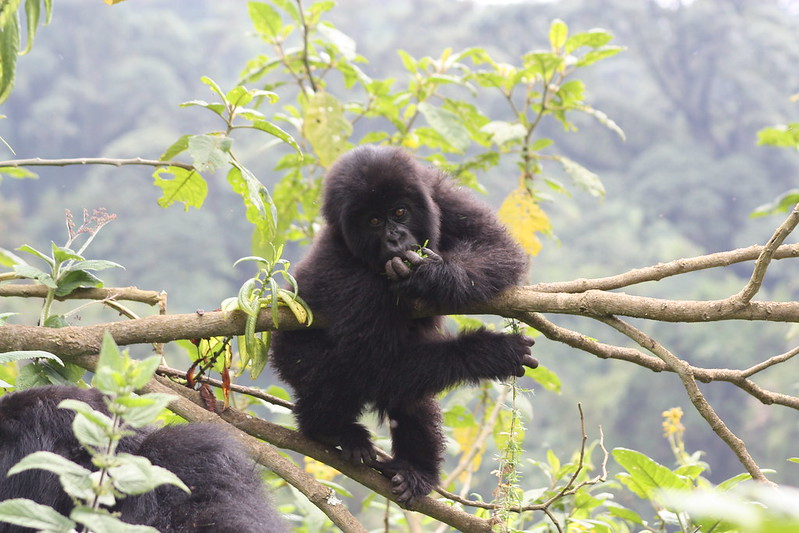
474 261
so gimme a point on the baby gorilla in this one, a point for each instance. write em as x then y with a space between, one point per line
227 493
396 232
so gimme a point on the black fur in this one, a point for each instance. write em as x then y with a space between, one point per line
379 203
227 493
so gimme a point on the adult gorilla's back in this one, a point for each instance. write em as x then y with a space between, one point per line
396 232
227 494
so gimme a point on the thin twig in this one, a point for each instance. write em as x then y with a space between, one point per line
39 162
761 265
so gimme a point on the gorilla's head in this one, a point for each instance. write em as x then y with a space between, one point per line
379 199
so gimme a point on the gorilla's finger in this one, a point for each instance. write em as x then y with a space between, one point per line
529 340
529 361
396 269
413 258
431 255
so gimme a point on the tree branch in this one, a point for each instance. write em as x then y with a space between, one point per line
131 294
685 373
38 162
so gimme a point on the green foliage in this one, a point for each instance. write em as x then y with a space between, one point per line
67 269
119 474
259 292
10 37
428 114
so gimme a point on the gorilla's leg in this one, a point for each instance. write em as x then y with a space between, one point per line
418 447
334 424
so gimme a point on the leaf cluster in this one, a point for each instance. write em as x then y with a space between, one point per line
263 291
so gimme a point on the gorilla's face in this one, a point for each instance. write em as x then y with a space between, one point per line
391 231
380 202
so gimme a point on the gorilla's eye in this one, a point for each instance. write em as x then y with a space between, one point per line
400 212
374 221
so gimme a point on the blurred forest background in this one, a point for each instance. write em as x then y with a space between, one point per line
696 83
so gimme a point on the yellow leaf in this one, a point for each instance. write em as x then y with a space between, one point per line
320 470
524 218
465 437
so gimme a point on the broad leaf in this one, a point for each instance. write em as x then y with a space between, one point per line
185 186
524 218
7 357
647 478
134 474
209 152
27 513
326 127
447 124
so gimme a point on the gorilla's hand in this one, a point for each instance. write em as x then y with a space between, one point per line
400 267
523 343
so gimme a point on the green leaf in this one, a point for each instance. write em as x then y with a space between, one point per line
94 264
4 320
343 42
136 475
29 272
100 521
62 254
502 132
186 186
27 513
261 210
217 108
278 392
7 357
141 371
604 120
647 477
47 373
179 146
9 48
727 484
624 513
782 204
55 321
74 478
88 422
76 279
89 433
143 410
213 86
326 127
593 39
278 132
9 258
17 173
266 19
459 416
37 253
110 357
209 152
544 377
447 124
597 55
582 177
784 136
558 32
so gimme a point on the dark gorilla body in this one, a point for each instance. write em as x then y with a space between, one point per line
363 274
227 493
